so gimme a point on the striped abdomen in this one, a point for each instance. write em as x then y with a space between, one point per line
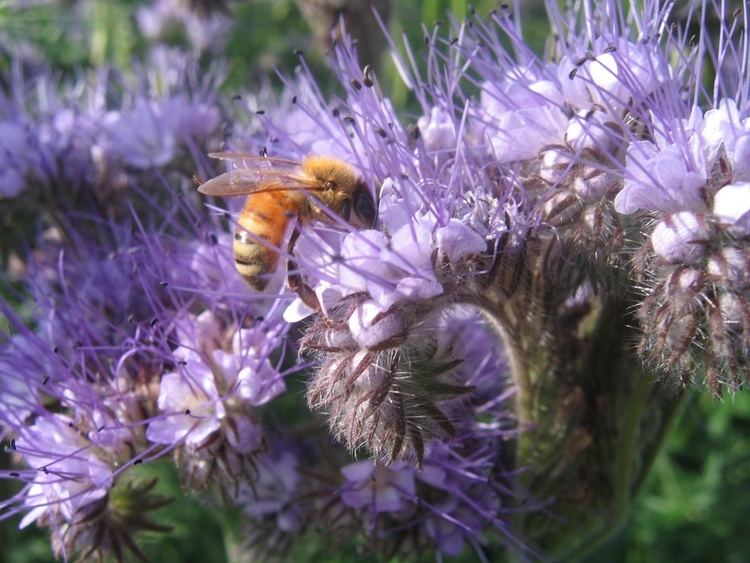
260 233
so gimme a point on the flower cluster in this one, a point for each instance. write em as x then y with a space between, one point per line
691 176
109 380
534 202
456 493
143 341
64 147
458 490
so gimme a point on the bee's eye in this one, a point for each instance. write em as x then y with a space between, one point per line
364 206
346 210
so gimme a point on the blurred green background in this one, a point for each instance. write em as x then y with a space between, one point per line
694 506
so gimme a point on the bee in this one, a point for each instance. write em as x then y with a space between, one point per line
319 188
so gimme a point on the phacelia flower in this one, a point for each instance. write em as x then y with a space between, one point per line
20 155
473 346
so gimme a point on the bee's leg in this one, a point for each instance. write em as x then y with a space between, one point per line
294 278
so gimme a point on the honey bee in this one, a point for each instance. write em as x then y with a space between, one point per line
278 190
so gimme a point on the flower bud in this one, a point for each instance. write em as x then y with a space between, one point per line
555 163
680 237
370 326
731 265
732 207
587 130
592 185
391 397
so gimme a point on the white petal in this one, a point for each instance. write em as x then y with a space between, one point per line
732 207
680 237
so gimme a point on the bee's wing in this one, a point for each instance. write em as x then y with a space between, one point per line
259 175
253 160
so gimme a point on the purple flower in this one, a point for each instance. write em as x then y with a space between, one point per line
526 114
161 16
140 136
451 501
395 265
20 158
69 473
660 180
438 130
191 406
379 488
612 74
274 489
213 388
723 130
680 170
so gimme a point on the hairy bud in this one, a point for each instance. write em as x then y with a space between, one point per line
390 397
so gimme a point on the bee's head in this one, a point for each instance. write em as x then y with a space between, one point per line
344 191
359 209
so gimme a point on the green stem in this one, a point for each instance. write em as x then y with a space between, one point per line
624 466
626 486
592 419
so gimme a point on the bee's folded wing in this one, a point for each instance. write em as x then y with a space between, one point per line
245 181
240 181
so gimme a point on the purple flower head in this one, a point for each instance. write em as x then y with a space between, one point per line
161 17
69 475
727 136
276 501
448 503
526 113
167 360
221 345
20 157
377 487
68 142
687 169
397 264
60 130
207 406
71 459
612 74
661 180
147 136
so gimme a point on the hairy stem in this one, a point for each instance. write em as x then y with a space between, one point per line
592 417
